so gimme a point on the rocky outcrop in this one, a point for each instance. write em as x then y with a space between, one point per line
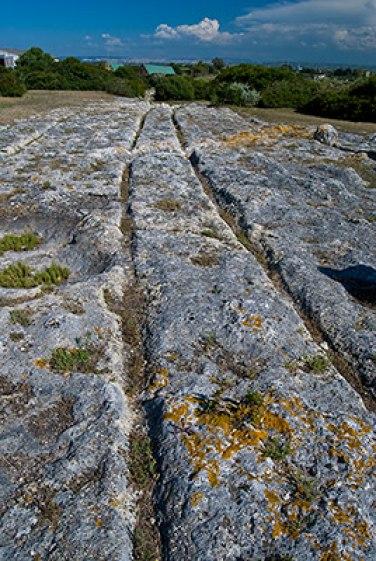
247 242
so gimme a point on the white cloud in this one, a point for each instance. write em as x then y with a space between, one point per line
111 41
346 24
207 31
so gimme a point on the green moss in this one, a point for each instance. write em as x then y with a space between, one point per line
254 398
20 275
20 317
305 487
316 363
276 449
21 242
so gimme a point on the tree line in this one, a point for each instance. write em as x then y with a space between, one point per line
342 93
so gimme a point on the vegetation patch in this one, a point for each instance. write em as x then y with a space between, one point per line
21 317
22 242
143 473
205 260
76 359
168 205
316 363
276 449
20 275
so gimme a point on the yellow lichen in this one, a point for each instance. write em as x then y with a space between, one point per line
253 322
177 413
267 135
196 499
41 363
160 380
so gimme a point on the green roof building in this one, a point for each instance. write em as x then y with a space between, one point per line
158 70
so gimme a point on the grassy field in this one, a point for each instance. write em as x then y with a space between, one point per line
290 116
37 102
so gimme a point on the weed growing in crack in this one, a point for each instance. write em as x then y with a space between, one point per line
20 275
143 472
21 317
22 242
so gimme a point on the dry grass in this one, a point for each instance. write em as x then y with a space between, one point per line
289 116
39 102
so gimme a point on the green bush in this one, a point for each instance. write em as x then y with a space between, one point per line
202 88
127 71
134 87
356 102
179 88
235 94
255 76
289 93
10 84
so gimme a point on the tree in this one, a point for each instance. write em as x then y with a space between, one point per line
35 59
218 63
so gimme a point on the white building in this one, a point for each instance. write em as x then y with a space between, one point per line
9 57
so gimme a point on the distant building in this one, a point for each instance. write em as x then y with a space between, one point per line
9 57
157 70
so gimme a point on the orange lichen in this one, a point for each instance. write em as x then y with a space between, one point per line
177 413
331 553
254 322
267 135
160 380
41 363
196 498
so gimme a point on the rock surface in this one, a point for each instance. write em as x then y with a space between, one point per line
254 248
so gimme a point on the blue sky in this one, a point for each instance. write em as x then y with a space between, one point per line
260 30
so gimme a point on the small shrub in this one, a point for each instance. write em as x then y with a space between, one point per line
179 88
22 242
135 87
20 275
254 398
21 317
236 94
16 337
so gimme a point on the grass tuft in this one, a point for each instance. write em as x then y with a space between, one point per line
76 359
20 275
21 317
21 242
